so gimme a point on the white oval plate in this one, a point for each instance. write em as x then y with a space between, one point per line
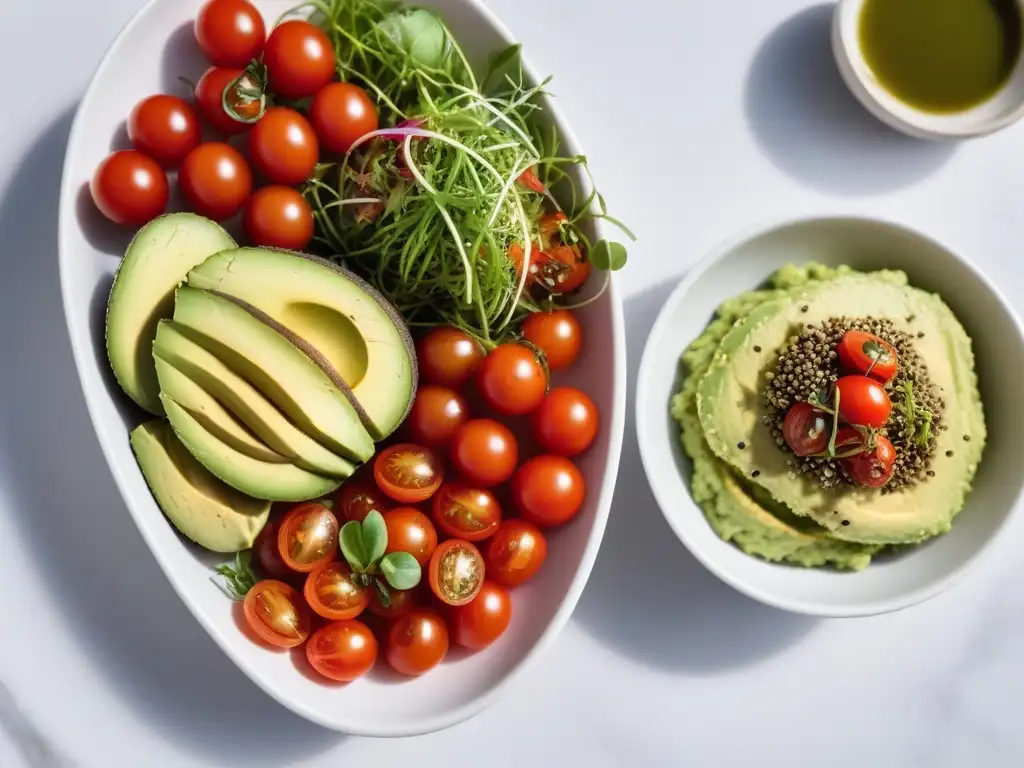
150 53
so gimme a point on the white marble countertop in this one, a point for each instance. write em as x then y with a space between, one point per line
699 119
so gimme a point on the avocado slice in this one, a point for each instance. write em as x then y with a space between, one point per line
157 260
244 401
259 479
276 367
205 510
340 321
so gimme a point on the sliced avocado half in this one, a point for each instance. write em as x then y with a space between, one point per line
210 513
352 332
157 260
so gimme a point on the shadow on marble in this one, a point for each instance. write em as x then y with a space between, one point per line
648 598
811 126
72 521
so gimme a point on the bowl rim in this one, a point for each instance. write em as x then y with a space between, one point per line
604 493
645 410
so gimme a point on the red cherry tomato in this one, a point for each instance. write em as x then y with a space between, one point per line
548 490
806 430
873 468
863 402
515 553
409 530
456 572
283 147
277 614
558 269
511 380
299 59
278 217
436 414
215 180
566 422
357 499
265 551
164 127
402 601
417 642
342 650
332 593
867 354
464 512
308 537
448 357
484 452
557 334
130 188
230 32
341 113
408 473
478 624
209 96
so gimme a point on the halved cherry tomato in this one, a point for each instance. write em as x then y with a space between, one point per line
464 512
557 334
436 414
283 146
417 642
559 269
531 181
130 188
215 180
357 499
299 59
230 32
805 429
867 354
863 402
342 113
265 551
456 572
402 601
409 530
209 95
548 490
516 552
342 650
408 473
332 593
484 452
511 380
448 357
164 127
566 422
478 624
873 468
277 613
278 217
308 537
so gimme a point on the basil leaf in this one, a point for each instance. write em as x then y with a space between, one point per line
420 35
238 577
375 537
608 256
401 570
351 543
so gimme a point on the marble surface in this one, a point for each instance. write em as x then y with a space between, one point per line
699 119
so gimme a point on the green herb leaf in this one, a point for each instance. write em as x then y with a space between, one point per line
238 577
420 34
608 256
375 537
351 543
501 62
383 593
401 570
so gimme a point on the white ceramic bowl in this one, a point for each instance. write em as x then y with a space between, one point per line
147 57
890 583
1000 111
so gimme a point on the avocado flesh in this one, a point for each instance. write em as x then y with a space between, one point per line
156 261
205 510
245 402
277 368
259 479
340 321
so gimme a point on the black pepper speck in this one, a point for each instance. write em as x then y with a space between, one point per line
755 473
757 348
846 522
741 445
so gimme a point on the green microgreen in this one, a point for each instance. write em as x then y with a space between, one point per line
919 420
238 577
363 546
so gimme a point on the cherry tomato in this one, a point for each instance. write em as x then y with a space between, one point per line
230 32
566 422
341 113
484 452
277 613
448 357
283 147
849 442
516 552
511 380
867 354
559 269
164 127
549 227
278 217
332 593
417 642
409 530
478 624
342 650
356 500
408 473
299 59
456 571
209 96
557 334
464 512
548 490
873 468
402 601
130 188
265 551
806 430
308 537
436 414
215 180
531 181
863 402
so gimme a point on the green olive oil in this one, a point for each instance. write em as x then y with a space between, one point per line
941 56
